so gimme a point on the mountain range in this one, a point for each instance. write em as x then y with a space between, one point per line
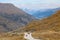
46 29
14 22
12 18
41 13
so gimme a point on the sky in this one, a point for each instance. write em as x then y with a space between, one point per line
34 4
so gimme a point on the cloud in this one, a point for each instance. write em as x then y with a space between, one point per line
39 4
34 4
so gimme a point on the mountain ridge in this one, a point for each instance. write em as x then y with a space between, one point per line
13 17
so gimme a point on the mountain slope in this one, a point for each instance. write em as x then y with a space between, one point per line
12 18
51 23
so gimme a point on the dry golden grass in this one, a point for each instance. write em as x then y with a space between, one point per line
47 35
11 36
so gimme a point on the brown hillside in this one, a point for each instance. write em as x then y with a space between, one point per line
50 23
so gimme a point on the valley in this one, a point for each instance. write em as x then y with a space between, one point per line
14 22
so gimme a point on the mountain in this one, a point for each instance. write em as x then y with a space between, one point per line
41 13
51 23
46 29
12 18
